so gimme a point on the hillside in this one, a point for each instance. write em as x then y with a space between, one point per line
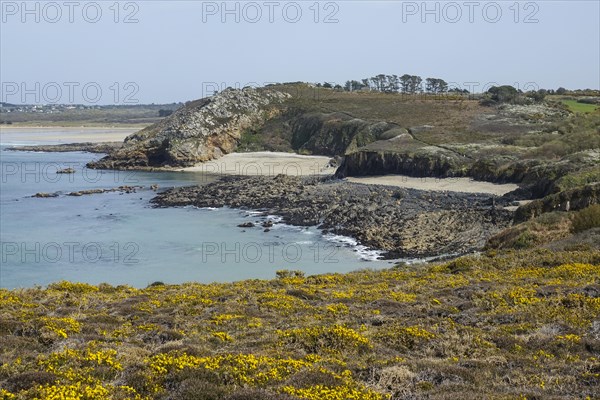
545 147
517 325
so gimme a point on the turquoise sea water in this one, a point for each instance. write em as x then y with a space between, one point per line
120 239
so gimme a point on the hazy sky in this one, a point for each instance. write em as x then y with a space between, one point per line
171 51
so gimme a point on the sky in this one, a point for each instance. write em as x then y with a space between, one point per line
154 51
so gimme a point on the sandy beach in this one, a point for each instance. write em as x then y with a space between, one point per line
463 185
266 163
271 163
59 135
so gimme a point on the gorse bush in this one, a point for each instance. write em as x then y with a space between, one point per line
507 325
587 218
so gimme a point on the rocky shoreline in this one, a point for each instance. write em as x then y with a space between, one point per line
125 189
101 148
405 223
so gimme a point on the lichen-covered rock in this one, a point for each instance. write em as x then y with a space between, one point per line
567 200
203 130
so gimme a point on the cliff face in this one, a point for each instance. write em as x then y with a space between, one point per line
334 133
537 178
425 164
567 200
203 130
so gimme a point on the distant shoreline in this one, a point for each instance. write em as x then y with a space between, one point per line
20 127
21 135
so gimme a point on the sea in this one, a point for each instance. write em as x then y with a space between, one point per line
119 238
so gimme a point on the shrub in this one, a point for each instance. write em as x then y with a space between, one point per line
194 389
134 376
587 218
403 337
308 378
28 380
334 338
525 240
256 394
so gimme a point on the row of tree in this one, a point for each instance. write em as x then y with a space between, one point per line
394 84
412 84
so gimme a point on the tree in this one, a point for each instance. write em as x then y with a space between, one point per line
379 82
393 84
561 91
430 84
442 86
414 85
353 85
164 113
538 96
405 83
503 94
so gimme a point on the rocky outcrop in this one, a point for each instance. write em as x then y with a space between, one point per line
336 133
66 171
537 178
125 189
567 200
203 130
403 222
438 163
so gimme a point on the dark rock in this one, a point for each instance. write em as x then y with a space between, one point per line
66 171
44 195
423 224
105 147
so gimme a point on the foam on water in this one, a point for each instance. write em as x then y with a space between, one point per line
365 253
141 244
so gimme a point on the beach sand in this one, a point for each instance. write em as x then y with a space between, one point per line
60 135
273 163
463 185
266 163
256 163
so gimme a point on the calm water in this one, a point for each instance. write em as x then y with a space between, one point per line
119 239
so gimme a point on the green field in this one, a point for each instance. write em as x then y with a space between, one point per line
580 107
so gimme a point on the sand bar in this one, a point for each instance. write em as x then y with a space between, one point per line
60 135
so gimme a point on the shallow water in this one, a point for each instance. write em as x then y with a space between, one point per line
120 239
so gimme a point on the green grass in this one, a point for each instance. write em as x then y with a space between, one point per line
577 107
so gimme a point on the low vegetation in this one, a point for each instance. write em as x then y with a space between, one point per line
509 325
577 106
587 218
90 116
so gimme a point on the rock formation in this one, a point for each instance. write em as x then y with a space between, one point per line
202 130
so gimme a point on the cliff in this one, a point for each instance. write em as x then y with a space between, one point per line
202 130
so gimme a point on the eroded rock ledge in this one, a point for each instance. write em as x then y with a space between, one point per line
403 222
203 130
